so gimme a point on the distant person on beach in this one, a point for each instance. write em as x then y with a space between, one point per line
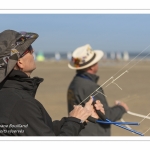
85 63
20 113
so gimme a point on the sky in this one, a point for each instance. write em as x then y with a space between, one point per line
66 32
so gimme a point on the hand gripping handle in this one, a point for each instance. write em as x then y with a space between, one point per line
100 114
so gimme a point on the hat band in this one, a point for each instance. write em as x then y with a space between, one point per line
81 65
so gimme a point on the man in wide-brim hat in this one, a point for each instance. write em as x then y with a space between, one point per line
85 62
20 112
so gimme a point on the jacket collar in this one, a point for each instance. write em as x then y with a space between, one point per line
92 77
19 80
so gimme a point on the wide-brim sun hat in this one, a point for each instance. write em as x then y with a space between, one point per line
12 45
84 57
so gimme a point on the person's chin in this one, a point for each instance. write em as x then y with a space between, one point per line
32 70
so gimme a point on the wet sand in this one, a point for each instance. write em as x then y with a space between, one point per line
132 87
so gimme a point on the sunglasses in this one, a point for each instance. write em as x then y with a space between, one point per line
29 50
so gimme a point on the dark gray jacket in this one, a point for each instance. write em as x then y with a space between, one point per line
22 115
82 86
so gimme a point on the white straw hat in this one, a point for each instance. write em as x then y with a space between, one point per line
84 57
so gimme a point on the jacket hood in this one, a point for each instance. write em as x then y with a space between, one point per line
19 80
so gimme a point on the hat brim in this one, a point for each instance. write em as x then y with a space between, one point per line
98 57
12 62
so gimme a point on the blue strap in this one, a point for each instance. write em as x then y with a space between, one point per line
83 76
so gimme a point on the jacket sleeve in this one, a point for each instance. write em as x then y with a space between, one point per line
29 114
71 124
113 113
66 125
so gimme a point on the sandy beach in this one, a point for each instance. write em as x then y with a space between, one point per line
132 87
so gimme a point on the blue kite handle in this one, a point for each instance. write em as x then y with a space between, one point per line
123 123
103 117
131 130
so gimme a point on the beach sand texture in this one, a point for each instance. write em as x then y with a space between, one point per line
135 85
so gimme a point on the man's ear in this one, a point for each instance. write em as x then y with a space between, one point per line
20 64
90 68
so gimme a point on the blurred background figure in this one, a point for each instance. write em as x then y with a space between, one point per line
118 56
69 55
105 57
126 56
40 56
57 56
85 63
112 55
